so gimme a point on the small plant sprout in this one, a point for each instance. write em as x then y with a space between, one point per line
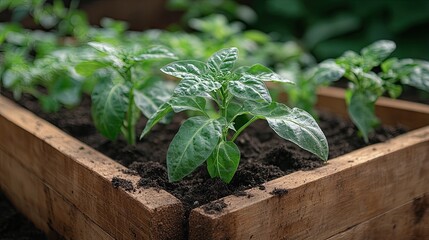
210 137
126 90
366 86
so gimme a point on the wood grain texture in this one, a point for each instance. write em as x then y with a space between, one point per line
320 203
349 190
82 177
409 221
47 209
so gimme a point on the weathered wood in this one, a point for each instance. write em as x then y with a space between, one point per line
82 178
71 179
390 111
350 189
31 195
347 191
410 221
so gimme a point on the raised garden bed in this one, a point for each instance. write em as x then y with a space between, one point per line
65 188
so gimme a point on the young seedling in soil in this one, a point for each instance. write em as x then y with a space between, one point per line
235 92
120 95
366 86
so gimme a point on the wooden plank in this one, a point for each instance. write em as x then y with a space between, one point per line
390 111
41 202
83 176
410 221
350 189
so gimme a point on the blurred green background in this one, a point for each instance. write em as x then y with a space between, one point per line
328 28
323 28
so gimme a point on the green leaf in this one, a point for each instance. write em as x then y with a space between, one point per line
109 105
195 86
104 48
223 162
295 125
150 98
388 64
376 53
186 68
361 112
87 68
249 88
263 73
393 90
162 111
192 145
348 60
156 52
223 61
66 90
327 72
399 69
180 104
369 82
418 76
235 109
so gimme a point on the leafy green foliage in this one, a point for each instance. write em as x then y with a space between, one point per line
110 102
236 92
118 101
192 145
302 94
366 86
50 68
194 9
295 125
223 162
66 20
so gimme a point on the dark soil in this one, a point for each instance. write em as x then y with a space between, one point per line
265 156
279 192
122 183
13 225
215 206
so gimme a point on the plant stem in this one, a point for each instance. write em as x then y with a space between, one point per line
243 127
130 128
131 135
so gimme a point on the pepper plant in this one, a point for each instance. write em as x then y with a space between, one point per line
125 90
367 83
235 91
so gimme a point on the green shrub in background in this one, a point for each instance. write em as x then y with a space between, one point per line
67 20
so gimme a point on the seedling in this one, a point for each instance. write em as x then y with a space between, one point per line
235 92
366 86
124 91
